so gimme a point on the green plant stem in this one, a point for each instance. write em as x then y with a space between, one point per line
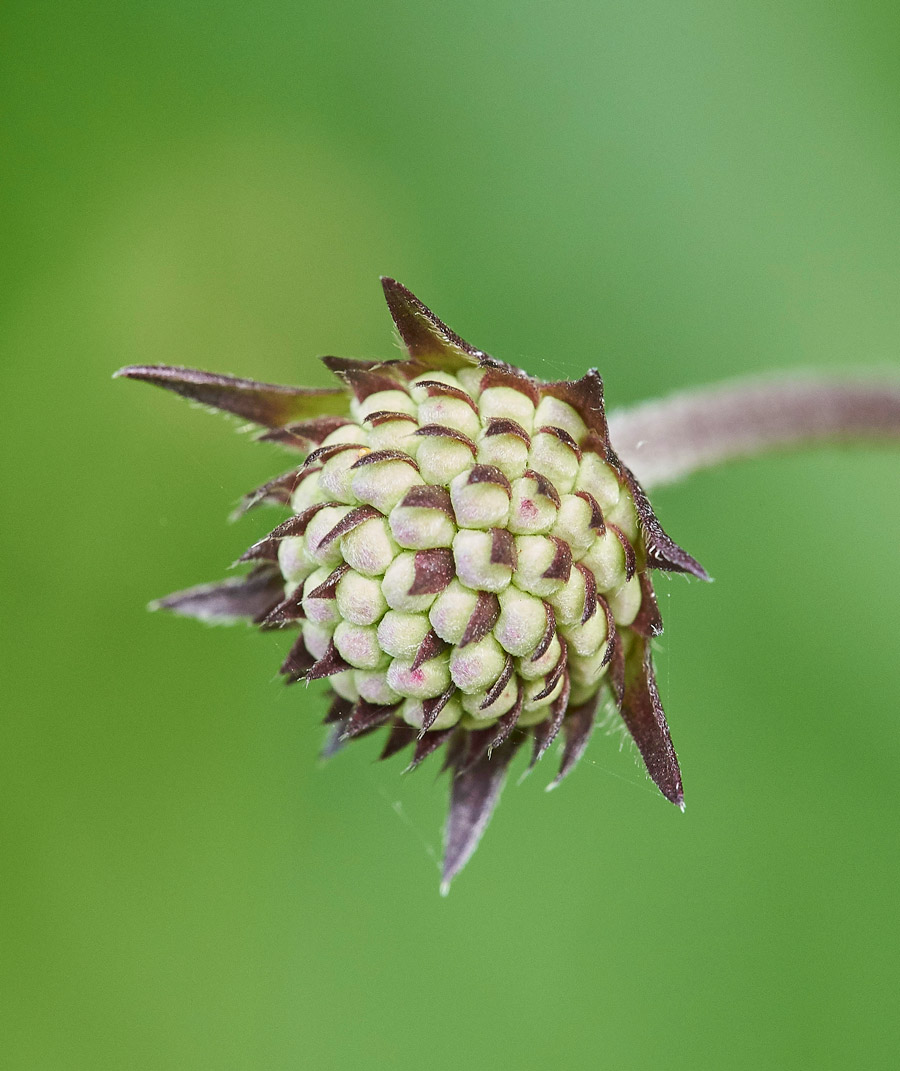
663 441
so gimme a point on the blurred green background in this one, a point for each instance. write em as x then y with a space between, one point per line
675 192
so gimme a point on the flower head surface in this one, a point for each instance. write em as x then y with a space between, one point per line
466 559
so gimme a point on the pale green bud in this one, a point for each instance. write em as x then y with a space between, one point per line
413 714
452 610
293 560
336 477
346 433
358 645
553 413
327 553
624 516
598 479
317 638
449 412
372 685
319 611
532 704
586 670
606 560
369 548
555 459
358 599
530 669
472 551
536 554
625 602
383 484
507 452
396 434
573 524
479 505
588 638
506 402
418 528
522 622
345 684
505 701
475 667
308 492
470 381
398 580
384 401
440 458
401 634
568 601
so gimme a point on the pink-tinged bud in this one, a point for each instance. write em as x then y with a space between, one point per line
534 505
426 682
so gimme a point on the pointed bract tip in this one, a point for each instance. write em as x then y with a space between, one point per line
445 888
269 404
427 339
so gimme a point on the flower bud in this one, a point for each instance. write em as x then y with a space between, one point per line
474 668
465 559
358 599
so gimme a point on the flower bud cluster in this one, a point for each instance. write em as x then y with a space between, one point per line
467 560
462 550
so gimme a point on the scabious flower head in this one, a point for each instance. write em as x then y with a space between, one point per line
466 559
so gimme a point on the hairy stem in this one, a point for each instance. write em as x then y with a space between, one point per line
663 441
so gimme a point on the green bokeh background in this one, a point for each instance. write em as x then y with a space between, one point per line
675 192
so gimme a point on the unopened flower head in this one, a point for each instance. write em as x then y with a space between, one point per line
466 559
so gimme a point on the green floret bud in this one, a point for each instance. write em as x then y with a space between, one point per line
475 667
370 548
358 599
522 622
401 634
476 557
